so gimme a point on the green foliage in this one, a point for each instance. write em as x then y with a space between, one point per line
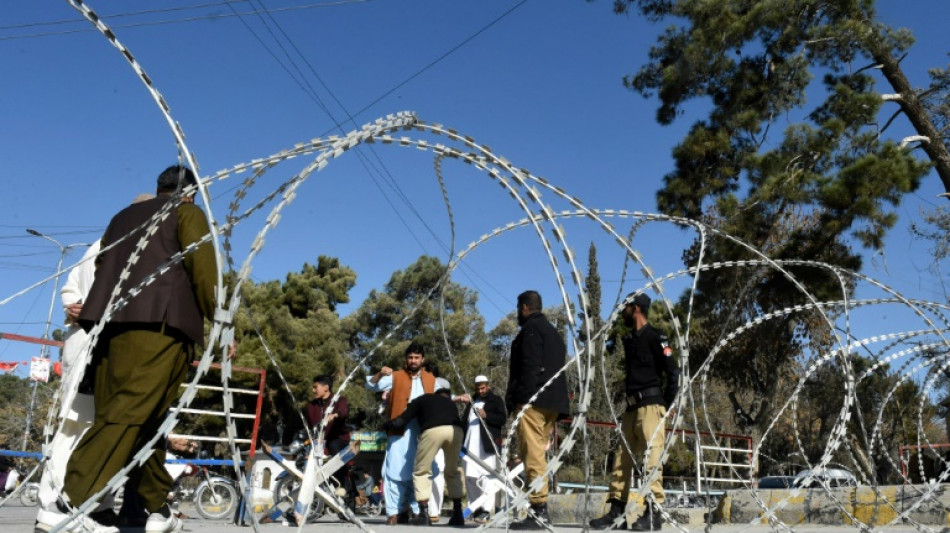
446 319
825 183
15 394
296 321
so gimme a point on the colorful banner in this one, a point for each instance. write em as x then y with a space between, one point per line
10 366
39 369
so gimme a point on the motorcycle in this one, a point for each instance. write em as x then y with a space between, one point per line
215 497
287 485
29 492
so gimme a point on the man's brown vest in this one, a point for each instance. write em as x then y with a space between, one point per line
402 387
169 298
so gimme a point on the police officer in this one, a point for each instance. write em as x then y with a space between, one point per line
647 357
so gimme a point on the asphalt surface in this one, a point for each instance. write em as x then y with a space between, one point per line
15 518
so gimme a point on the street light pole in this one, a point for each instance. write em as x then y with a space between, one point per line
49 320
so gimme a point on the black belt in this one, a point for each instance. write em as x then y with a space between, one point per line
641 397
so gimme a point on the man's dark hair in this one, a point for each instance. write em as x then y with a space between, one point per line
532 299
171 177
324 379
415 347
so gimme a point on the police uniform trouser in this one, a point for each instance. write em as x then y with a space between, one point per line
449 440
533 434
645 432
137 379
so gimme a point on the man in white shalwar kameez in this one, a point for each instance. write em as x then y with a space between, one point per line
483 421
77 410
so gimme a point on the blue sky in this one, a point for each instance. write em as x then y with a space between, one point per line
538 82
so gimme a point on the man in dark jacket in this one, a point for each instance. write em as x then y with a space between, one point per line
144 351
336 434
537 354
647 357
440 429
484 418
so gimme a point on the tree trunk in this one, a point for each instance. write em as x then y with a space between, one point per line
910 105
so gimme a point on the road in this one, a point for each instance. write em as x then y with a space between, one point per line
15 518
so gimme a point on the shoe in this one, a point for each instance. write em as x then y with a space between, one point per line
163 521
458 519
402 517
136 521
392 520
537 521
617 510
650 520
422 517
433 519
47 520
82 524
481 516
105 517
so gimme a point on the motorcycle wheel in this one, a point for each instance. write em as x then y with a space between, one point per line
286 489
30 494
215 500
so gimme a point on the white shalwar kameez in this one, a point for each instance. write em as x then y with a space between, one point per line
477 477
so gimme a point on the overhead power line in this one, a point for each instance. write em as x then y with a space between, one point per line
210 16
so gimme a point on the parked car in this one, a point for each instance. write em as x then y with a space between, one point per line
776 482
832 477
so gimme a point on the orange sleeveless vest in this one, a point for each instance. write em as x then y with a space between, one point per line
399 394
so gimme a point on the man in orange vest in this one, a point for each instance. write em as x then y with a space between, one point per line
403 386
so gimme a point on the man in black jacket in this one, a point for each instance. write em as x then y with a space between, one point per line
440 429
647 355
484 417
537 354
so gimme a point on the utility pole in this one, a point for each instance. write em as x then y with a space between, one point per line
49 320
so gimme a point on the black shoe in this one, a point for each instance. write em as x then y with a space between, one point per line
106 517
457 518
420 519
535 519
617 510
650 520
402 517
481 516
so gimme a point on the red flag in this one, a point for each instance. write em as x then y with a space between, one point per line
58 368
8 366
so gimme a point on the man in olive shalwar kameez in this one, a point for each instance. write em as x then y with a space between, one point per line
146 347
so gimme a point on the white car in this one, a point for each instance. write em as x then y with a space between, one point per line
830 477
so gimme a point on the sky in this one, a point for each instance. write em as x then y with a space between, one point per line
540 82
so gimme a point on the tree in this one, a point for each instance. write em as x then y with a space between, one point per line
297 321
755 61
15 396
409 293
830 180
602 442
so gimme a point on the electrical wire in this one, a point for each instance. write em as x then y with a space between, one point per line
158 22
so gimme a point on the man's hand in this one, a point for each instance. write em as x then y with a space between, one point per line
73 310
463 398
385 371
481 413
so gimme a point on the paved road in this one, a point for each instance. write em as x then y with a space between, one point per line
15 518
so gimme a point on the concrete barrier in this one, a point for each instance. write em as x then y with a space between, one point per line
844 506
565 509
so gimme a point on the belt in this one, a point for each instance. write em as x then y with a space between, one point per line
640 397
